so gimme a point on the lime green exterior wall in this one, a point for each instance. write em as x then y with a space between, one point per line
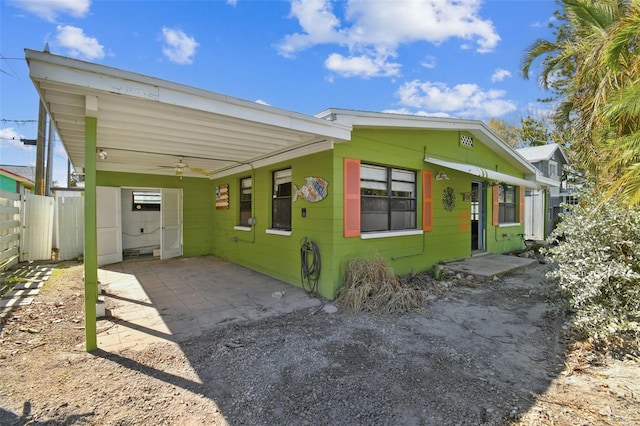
208 230
198 204
279 255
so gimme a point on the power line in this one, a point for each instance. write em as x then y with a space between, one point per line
6 120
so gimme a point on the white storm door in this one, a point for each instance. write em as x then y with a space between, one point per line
171 220
109 224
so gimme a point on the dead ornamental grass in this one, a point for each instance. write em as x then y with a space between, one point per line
373 287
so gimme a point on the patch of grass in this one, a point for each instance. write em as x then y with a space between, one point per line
372 286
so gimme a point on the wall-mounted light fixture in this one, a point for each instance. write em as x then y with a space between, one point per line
102 154
442 176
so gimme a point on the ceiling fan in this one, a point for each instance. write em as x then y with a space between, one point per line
181 166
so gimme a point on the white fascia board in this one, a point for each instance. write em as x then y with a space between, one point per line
545 181
45 66
383 119
284 155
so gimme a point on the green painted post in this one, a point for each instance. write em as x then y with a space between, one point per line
90 236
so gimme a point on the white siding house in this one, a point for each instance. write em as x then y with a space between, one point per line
543 206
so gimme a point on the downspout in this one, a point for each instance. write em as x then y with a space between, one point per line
90 226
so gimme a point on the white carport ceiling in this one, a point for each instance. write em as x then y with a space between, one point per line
146 124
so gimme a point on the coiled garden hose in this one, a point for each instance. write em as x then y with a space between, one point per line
310 265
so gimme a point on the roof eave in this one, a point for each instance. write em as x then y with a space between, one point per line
102 78
475 127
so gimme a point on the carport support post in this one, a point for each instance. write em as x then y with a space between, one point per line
90 228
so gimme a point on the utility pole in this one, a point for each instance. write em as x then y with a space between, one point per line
42 129
49 160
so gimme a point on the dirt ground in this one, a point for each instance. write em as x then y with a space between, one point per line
488 353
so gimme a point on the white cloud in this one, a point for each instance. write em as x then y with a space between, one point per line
434 21
377 28
500 75
361 66
77 43
261 102
318 23
462 100
50 9
232 2
429 62
178 47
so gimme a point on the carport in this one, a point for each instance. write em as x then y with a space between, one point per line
118 121
178 299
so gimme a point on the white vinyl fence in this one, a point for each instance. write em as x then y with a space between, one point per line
68 232
36 216
35 227
9 229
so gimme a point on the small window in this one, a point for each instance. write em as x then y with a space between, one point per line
246 185
553 169
146 201
507 204
571 200
387 198
281 202
475 203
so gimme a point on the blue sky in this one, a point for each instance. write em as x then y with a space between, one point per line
441 57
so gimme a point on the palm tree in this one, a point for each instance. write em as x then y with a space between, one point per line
593 69
622 56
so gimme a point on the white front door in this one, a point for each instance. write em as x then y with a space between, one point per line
109 225
171 221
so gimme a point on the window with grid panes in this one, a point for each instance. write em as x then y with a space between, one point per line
281 201
387 198
246 185
507 204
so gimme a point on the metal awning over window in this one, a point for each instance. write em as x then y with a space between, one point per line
484 173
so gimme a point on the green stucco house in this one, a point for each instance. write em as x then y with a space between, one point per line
260 186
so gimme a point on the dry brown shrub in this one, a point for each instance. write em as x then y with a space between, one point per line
373 287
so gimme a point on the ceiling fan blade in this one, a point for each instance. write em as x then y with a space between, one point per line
199 170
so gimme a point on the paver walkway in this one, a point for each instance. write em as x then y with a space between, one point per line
29 279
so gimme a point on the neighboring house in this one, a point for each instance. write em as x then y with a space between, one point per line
200 173
17 179
543 206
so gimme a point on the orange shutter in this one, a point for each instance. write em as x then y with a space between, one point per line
496 205
427 201
522 204
351 214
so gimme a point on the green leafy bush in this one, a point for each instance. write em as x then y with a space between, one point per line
597 251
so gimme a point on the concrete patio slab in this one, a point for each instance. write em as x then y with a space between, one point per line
178 299
489 265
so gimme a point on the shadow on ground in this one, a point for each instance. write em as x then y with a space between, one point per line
480 355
